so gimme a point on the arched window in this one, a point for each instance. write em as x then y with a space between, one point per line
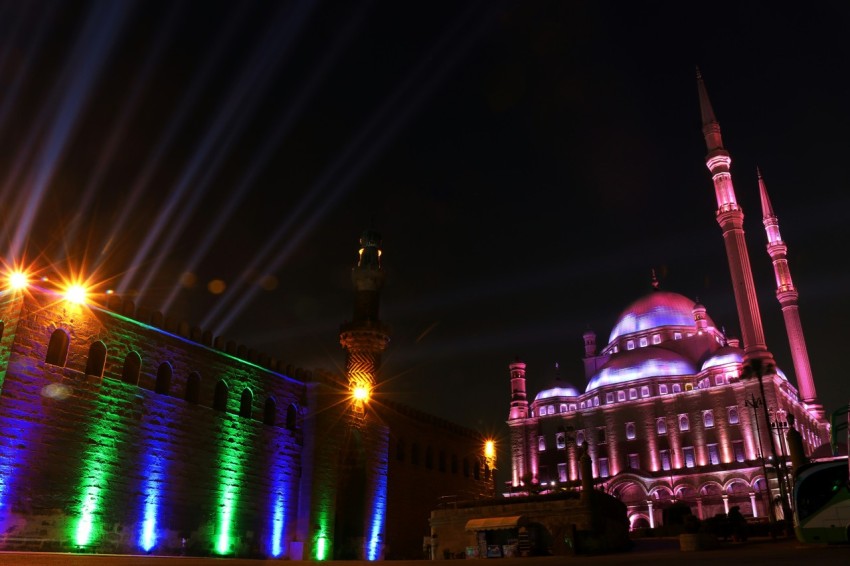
163 378
399 450
97 359
733 415
132 368
708 419
661 425
630 431
193 388
220 399
291 417
270 412
245 403
57 348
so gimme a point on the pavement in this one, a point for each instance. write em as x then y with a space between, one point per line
656 552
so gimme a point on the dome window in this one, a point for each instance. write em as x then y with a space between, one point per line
632 394
644 391
662 389
677 388
630 345
718 379
644 342
656 339
621 395
677 336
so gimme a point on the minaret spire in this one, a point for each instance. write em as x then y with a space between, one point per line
730 217
365 337
787 295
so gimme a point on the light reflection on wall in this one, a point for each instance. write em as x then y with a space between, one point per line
379 511
231 462
154 465
98 462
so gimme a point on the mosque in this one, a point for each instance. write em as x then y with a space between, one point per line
671 409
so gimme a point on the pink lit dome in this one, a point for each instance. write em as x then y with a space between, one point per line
655 310
723 356
558 388
640 363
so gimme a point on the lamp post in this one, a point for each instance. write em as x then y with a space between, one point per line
754 403
758 369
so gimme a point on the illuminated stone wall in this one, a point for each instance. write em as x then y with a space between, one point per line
99 464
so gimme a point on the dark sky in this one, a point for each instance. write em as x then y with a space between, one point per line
527 163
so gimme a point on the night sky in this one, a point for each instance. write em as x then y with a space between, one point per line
527 163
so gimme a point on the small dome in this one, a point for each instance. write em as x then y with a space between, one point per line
558 388
723 356
567 391
638 364
655 310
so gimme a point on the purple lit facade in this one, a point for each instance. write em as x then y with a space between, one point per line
664 411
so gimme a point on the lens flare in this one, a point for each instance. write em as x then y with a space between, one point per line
18 280
76 294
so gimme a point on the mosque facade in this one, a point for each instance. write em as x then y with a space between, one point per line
671 409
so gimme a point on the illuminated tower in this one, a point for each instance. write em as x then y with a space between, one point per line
516 420
787 295
365 337
731 220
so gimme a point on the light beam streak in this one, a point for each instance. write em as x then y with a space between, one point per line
394 119
291 112
231 122
119 129
179 117
89 54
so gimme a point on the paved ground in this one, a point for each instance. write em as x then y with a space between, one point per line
656 552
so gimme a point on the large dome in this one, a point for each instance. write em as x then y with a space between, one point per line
656 310
637 364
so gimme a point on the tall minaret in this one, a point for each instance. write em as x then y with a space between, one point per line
517 423
787 295
365 337
731 220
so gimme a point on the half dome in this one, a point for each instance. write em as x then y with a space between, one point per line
655 310
638 364
723 356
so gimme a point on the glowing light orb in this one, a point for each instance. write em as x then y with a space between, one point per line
76 294
18 280
360 393
216 286
56 391
490 449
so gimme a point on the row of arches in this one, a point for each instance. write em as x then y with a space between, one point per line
57 354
